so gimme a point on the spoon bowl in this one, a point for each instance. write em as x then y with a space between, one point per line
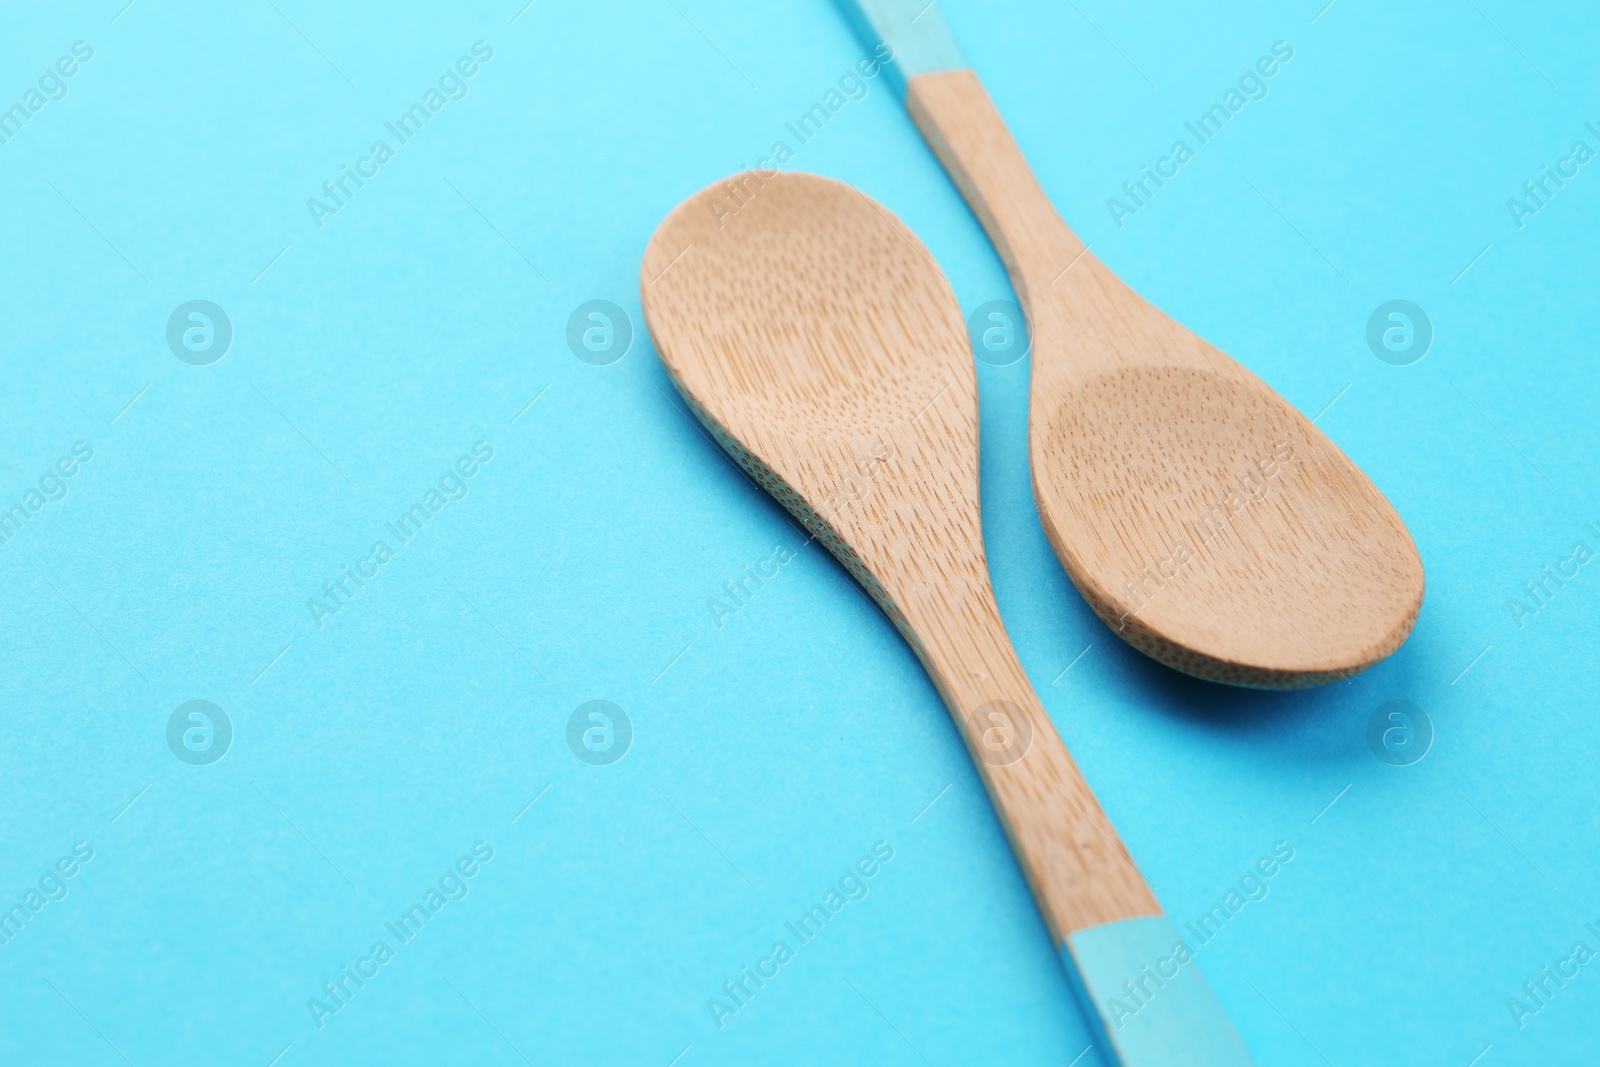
801 367
1252 550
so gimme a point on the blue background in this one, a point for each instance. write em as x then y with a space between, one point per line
369 754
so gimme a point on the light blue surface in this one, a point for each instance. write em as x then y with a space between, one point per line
768 756
1142 982
916 35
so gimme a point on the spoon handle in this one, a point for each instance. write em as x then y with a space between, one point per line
1066 291
1127 962
1079 871
964 129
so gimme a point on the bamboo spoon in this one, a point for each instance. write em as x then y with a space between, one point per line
814 337
1203 518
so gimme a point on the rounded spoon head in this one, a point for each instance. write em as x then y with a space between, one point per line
825 351
1217 530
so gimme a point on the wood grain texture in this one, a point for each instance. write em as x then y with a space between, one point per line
818 342
1205 520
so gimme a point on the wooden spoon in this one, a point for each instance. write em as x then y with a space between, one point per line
812 334
1203 518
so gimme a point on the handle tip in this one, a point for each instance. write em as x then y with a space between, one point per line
909 37
1140 983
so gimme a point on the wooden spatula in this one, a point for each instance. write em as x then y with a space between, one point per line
821 346
1207 521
